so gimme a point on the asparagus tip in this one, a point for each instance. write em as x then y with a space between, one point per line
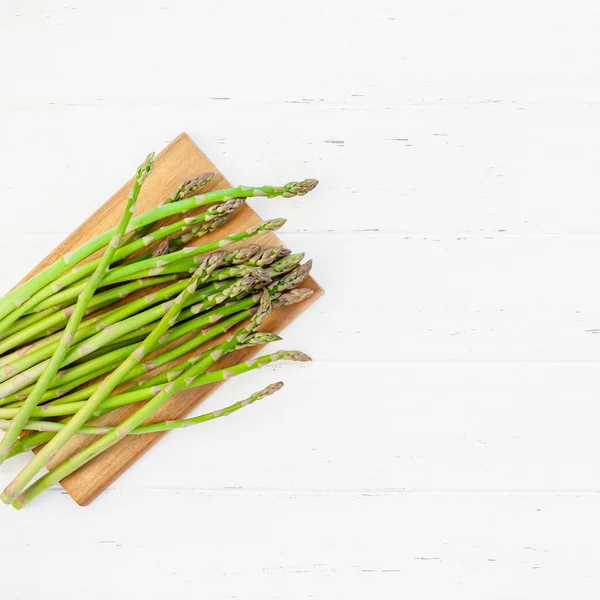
242 254
274 224
301 188
300 356
189 186
270 389
294 296
145 168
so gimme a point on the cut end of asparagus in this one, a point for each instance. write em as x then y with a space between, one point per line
300 188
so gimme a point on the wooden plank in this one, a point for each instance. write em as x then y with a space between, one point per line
178 161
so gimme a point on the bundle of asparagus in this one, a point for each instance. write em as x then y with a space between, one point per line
80 329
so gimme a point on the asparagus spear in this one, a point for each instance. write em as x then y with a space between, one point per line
186 188
148 392
92 369
111 438
164 425
76 316
81 272
169 356
109 334
34 357
21 294
110 383
59 318
31 441
285 265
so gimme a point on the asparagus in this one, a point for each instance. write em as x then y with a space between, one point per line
81 272
26 369
31 441
285 265
109 334
110 383
38 353
101 366
222 213
30 319
100 322
185 189
55 362
21 294
161 261
166 357
60 317
162 426
241 254
268 256
256 339
125 428
149 391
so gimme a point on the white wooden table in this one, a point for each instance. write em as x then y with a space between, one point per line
445 442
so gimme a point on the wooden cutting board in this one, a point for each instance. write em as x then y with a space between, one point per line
178 161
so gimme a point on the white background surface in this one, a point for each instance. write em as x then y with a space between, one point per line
445 442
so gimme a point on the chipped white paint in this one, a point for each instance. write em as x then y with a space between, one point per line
444 442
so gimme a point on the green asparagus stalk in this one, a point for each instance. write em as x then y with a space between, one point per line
21 294
96 323
101 366
38 353
167 246
168 356
213 214
109 334
30 319
110 383
184 190
148 392
76 316
132 422
257 339
285 299
163 425
26 369
28 442
162 261
14 389
59 318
